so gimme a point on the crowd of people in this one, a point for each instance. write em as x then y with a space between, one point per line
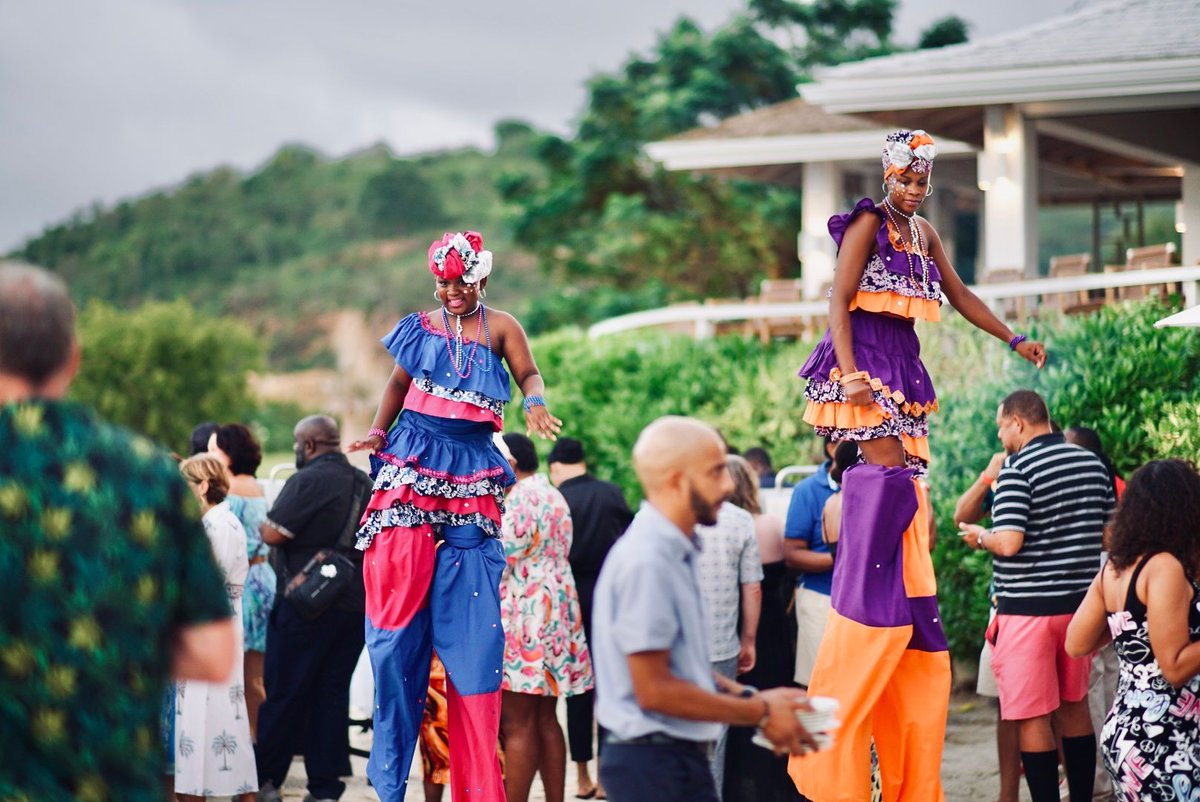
163 624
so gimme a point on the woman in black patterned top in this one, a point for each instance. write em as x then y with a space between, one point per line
1145 601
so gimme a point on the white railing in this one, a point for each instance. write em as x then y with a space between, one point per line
704 318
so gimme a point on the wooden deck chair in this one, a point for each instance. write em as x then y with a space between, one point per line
1006 308
776 291
1143 258
1076 301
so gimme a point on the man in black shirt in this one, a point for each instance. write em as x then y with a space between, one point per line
600 515
309 662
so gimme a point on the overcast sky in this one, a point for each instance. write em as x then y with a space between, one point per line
106 100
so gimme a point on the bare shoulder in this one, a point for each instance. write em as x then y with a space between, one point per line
1163 567
927 229
503 327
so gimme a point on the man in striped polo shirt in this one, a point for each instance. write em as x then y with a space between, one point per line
1052 502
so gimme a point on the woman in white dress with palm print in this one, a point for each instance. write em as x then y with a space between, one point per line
214 755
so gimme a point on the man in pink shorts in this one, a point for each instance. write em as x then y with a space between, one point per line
1052 502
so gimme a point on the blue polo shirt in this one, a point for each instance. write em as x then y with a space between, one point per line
804 523
648 599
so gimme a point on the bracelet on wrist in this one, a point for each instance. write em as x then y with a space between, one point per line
766 716
1016 340
980 540
532 401
857 375
377 432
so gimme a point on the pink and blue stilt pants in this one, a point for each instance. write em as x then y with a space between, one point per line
422 596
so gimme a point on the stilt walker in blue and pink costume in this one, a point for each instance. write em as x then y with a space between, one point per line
433 559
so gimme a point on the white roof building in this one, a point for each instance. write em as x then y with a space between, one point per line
1097 105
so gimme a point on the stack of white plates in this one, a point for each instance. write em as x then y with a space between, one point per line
819 721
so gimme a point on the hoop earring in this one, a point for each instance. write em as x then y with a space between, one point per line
483 292
884 187
928 190
435 296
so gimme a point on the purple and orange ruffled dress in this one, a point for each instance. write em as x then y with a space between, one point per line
896 288
884 655
434 560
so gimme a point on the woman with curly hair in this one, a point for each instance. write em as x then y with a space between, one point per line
1145 601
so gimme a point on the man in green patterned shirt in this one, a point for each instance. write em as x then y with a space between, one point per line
107 581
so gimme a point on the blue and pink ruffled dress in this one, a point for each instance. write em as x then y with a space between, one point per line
433 559
895 290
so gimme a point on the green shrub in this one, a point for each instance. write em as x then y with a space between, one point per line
1112 371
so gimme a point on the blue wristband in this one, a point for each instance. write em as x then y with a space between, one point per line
532 401
1017 340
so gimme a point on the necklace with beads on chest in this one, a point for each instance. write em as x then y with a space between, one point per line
462 359
914 245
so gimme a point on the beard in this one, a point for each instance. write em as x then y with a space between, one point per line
704 510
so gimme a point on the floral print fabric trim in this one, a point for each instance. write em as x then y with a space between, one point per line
877 278
831 391
411 517
462 396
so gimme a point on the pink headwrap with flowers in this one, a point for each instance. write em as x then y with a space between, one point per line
460 255
908 150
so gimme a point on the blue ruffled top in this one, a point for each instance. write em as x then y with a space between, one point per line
422 351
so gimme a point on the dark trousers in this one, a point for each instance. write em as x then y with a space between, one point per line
659 772
307 672
581 708
580 720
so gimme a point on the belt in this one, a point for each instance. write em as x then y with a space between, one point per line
660 739
262 558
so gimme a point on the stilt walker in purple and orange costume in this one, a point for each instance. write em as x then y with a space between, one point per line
433 559
884 653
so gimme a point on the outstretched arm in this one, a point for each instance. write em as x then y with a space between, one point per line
389 407
971 307
524 370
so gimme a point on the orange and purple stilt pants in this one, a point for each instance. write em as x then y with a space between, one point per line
884 655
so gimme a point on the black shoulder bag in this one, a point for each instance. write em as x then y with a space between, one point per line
325 577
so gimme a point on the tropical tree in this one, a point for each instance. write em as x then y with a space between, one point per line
222 746
163 368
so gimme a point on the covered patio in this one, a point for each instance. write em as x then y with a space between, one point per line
1099 106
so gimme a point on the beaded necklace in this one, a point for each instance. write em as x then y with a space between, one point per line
916 242
464 363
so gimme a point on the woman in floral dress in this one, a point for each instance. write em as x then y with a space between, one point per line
1145 600
545 652
213 752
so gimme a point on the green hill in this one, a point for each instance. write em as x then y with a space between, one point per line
300 237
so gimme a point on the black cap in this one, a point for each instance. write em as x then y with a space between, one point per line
566 450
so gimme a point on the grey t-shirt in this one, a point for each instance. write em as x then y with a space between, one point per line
728 559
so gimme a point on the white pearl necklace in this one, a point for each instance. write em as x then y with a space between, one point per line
915 239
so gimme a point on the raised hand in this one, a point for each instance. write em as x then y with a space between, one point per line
1033 351
538 420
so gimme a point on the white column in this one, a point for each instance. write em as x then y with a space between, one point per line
1191 214
822 197
1008 176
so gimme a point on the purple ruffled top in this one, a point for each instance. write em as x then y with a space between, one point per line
895 262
